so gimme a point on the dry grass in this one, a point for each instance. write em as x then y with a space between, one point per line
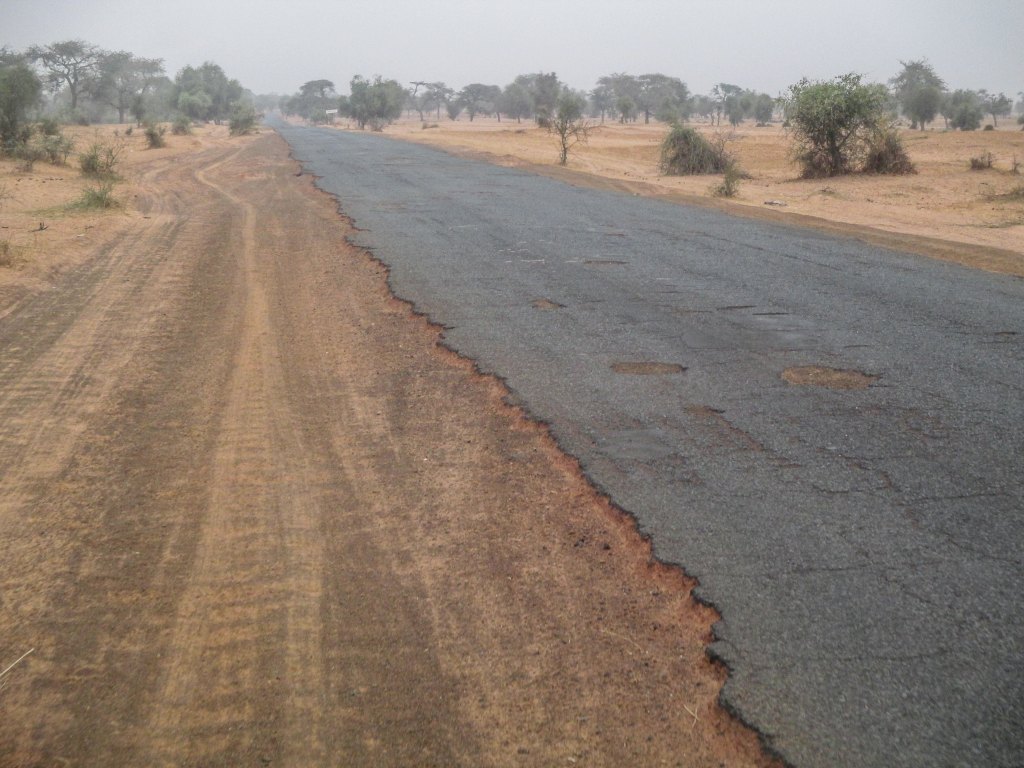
74 209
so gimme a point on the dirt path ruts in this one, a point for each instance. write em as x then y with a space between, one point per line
253 515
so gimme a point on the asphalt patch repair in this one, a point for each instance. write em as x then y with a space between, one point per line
829 378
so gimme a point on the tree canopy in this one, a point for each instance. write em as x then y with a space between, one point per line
19 92
206 93
918 91
74 63
833 122
375 103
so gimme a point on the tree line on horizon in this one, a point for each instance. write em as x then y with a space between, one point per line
76 82
916 93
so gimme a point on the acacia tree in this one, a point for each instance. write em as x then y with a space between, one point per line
834 122
477 97
568 124
517 102
313 100
545 89
660 93
963 110
206 93
74 63
764 108
918 91
124 79
997 105
19 91
621 91
375 103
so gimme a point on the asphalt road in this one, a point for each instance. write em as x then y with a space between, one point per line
863 546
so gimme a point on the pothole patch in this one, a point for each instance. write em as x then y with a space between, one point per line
546 304
646 368
830 378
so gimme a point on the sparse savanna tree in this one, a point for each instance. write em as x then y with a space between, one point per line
313 100
963 109
764 109
569 124
720 95
918 91
124 79
704 106
620 92
20 89
545 90
734 109
376 103
206 93
478 98
834 123
71 63
997 105
602 100
517 102
660 93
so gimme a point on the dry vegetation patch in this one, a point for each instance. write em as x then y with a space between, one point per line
54 215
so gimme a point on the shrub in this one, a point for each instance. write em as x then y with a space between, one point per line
833 121
28 154
100 160
155 135
989 128
99 197
983 162
243 121
48 126
182 126
56 148
885 153
730 183
685 152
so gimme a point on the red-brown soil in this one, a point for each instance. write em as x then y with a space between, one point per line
254 515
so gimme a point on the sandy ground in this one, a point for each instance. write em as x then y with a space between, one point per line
253 514
945 210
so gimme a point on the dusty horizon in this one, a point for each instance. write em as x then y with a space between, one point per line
460 42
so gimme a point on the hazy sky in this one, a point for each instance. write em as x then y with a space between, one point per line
762 44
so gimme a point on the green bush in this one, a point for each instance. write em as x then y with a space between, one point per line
100 160
48 126
833 122
155 135
685 152
56 148
27 155
884 153
243 121
182 126
99 197
730 183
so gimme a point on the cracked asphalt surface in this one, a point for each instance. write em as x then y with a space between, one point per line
863 546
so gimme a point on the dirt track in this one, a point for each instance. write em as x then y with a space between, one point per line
252 514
